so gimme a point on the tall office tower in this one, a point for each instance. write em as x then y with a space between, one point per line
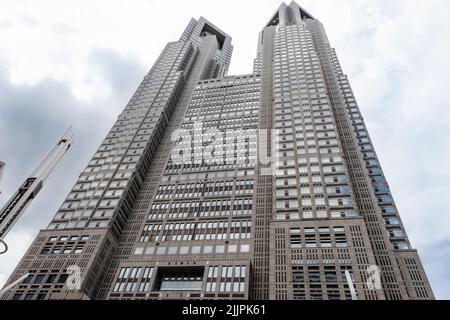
261 186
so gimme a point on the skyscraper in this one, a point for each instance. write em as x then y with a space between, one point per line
208 186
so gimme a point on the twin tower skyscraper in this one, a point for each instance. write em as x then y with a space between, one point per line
208 186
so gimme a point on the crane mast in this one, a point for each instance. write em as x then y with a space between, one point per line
22 198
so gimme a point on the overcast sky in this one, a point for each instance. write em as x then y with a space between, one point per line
78 62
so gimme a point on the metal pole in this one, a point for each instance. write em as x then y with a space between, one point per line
350 285
12 285
17 204
2 169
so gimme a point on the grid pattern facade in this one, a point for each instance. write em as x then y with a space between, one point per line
180 202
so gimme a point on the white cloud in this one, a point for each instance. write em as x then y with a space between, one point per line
401 92
50 39
395 53
19 241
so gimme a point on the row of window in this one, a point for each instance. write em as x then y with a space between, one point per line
217 188
212 230
315 214
67 249
195 249
209 208
134 279
209 175
308 202
327 237
226 279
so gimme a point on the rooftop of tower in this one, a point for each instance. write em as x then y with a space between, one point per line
290 12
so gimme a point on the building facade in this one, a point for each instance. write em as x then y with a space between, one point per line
208 186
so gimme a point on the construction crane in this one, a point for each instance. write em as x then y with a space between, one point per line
2 169
17 204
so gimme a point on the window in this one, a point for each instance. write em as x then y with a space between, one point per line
78 249
67 249
150 250
298 277
401 246
39 278
220 249
325 240
320 202
330 276
207 249
314 276
161 250
245 247
63 278
172 250
388 210
17 296
179 279
41 296
308 215
391 221
29 296
296 239
310 241
56 250
28 279
396 233
51 278
341 241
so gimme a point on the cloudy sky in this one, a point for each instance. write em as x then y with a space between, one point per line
78 62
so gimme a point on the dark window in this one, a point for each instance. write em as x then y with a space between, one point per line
39 278
179 279
17 296
41 296
51 278
330 276
298 277
314 276
29 296
28 279
63 278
